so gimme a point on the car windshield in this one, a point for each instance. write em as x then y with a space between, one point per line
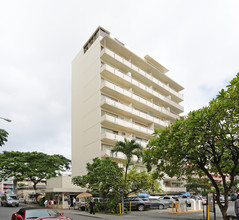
35 213
12 197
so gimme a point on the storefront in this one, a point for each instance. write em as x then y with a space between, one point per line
61 189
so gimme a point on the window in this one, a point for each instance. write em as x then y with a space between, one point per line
108 113
140 124
176 184
103 130
106 147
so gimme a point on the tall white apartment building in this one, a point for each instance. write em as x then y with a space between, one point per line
117 94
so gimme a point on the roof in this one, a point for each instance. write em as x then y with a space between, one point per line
31 208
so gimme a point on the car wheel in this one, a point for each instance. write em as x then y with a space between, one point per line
141 207
170 205
161 206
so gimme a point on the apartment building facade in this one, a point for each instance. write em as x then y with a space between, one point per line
117 94
6 186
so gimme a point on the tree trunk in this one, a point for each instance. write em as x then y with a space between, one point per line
35 188
224 215
123 191
223 209
15 186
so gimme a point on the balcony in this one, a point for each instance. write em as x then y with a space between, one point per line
120 156
124 110
121 78
173 189
111 139
126 126
129 97
118 61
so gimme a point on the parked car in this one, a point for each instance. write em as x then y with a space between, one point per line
196 197
232 196
204 200
30 200
222 199
80 205
38 212
22 200
169 199
9 199
157 203
137 203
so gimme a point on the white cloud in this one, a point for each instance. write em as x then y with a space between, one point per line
198 41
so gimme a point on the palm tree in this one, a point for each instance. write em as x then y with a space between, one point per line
129 149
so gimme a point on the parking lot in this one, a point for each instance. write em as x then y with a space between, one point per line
153 214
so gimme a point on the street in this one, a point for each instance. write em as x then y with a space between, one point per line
6 212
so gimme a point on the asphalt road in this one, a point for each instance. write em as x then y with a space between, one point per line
6 213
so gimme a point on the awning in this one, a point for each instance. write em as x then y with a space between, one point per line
185 194
144 194
84 195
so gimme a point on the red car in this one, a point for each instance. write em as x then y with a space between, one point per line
38 213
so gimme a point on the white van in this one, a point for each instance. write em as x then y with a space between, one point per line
9 199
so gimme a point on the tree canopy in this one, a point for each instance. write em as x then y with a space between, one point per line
3 137
103 177
203 143
34 166
138 181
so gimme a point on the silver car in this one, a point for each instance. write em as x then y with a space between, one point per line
9 200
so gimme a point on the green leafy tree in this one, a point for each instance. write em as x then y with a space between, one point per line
203 143
3 137
138 181
34 166
129 149
103 177
198 185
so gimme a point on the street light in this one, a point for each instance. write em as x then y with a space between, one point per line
6 119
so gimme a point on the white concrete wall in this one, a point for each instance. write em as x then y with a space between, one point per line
85 108
61 182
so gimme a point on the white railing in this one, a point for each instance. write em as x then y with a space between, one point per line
137 98
140 85
143 73
126 124
132 111
116 137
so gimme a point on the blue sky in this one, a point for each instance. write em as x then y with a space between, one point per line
198 41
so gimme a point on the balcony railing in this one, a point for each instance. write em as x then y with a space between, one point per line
126 125
143 73
107 153
132 112
140 85
173 189
138 99
115 137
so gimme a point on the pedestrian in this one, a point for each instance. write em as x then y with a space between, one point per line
52 203
49 203
92 205
69 203
74 202
237 207
46 203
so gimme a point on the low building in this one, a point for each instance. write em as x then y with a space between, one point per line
61 189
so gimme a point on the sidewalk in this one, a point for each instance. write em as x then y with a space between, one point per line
151 214
83 213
